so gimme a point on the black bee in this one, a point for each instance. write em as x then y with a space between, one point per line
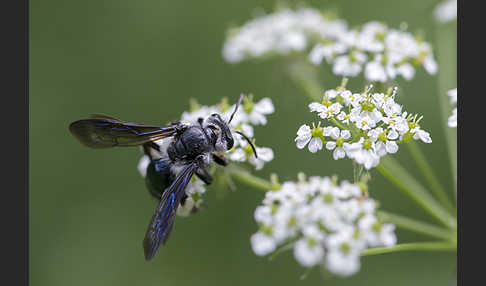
189 150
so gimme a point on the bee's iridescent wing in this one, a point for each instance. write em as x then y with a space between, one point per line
163 220
102 131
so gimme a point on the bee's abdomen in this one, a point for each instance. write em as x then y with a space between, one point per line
158 177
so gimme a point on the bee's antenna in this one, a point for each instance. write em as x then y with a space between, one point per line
249 142
236 108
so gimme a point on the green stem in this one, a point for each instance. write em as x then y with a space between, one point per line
421 246
284 248
430 177
305 76
447 79
417 226
398 175
338 124
246 177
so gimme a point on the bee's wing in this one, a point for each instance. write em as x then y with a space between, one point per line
102 131
162 221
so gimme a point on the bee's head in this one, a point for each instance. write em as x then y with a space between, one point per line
220 132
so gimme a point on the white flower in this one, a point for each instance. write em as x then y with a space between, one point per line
265 154
384 143
342 264
239 155
337 146
196 186
362 152
243 152
376 233
304 136
419 134
452 120
188 207
374 71
307 253
331 111
364 122
446 11
349 65
254 113
369 38
406 70
452 95
328 51
316 107
262 244
143 164
263 215
202 111
344 250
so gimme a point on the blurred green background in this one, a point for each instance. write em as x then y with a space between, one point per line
141 61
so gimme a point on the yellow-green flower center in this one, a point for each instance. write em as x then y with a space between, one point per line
328 198
224 105
345 247
248 150
339 141
311 241
367 144
380 36
376 227
382 137
266 229
326 102
292 221
317 132
248 103
367 105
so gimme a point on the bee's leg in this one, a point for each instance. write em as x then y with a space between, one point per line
220 159
200 120
152 150
203 174
183 200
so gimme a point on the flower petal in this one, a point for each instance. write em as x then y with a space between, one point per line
315 144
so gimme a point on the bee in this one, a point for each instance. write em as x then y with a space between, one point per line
187 150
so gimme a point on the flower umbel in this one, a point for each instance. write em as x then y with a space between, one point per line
325 223
382 53
363 126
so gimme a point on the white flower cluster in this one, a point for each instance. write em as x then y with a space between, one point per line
279 33
367 126
381 52
324 222
452 122
446 11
